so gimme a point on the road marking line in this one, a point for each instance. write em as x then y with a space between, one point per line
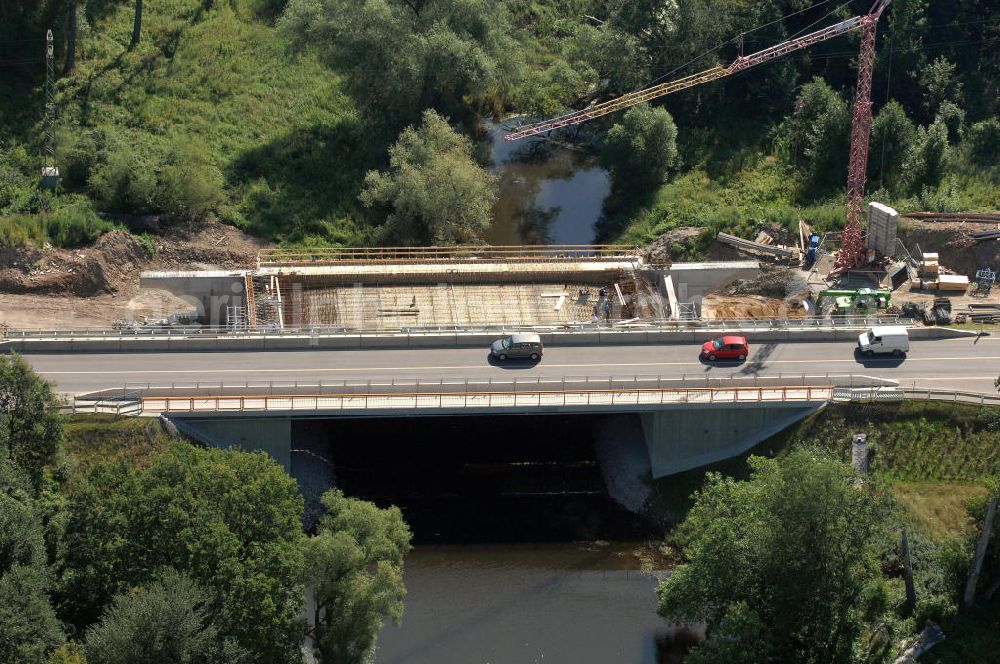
470 366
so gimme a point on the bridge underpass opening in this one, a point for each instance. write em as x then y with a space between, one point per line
576 472
486 479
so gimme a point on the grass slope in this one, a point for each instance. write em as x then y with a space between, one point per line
275 124
937 454
93 439
764 192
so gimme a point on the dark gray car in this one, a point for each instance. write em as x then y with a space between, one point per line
517 346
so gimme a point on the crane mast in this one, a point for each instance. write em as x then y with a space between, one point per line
852 251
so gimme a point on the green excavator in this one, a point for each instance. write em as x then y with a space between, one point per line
862 300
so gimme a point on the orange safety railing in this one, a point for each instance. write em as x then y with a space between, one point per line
507 253
476 399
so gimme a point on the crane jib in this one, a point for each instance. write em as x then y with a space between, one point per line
796 44
740 64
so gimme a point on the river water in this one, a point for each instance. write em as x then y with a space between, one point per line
549 193
519 604
520 553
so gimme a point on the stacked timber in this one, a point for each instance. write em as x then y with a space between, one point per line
930 271
953 282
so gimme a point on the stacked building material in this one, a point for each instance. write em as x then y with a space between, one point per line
930 271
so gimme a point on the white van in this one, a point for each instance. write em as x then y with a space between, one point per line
890 339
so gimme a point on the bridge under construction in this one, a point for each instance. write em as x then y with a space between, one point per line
387 289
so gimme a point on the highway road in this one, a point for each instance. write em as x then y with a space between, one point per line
964 364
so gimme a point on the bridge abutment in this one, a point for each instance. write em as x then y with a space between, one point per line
679 439
268 434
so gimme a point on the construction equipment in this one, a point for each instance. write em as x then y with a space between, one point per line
813 251
985 278
862 299
852 251
942 310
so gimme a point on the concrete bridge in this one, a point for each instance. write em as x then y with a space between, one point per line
685 423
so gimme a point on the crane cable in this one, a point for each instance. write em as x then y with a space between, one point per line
741 35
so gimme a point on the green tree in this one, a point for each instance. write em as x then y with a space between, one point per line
71 653
435 190
953 117
30 426
166 622
928 157
124 178
354 570
28 624
783 566
614 55
984 142
892 138
941 83
16 187
229 519
641 151
189 183
818 137
450 55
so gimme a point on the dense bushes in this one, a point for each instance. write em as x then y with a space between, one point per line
434 191
209 114
984 143
64 222
400 58
147 549
143 179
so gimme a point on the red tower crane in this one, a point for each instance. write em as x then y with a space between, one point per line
852 250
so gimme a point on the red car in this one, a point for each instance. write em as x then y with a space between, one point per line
726 348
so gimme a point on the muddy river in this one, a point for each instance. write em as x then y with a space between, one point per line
550 193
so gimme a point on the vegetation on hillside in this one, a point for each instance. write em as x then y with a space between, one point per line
268 113
932 466
777 572
121 545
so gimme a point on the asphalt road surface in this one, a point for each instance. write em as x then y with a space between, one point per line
964 364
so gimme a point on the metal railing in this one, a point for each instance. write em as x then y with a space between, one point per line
412 391
509 253
481 400
119 406
959 396
638 325
446 383
462 393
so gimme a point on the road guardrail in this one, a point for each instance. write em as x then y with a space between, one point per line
957 396
345 395
135 398
482 400
327 330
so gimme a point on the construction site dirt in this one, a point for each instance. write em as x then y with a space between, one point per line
954 243
93 286
97 285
